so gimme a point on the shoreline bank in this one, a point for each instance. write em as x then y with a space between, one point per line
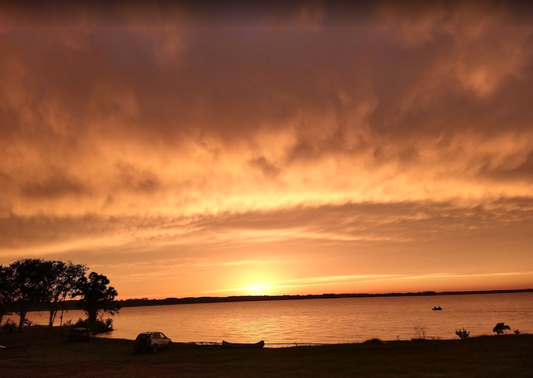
38 353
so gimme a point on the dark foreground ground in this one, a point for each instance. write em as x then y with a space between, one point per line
43 353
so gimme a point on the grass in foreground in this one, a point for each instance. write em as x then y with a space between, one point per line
39 352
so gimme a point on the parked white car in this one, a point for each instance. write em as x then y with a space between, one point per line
151 342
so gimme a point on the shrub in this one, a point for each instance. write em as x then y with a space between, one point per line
10 325
373 341
517 332
462 333
500 328
100 326
420 333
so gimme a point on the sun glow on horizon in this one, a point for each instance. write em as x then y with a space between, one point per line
256 289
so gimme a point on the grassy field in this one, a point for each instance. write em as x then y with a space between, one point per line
40 352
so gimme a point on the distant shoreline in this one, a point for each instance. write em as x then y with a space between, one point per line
262 298
145 302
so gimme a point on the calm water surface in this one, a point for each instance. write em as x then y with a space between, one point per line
324 320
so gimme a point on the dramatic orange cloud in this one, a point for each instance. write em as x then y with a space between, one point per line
271 149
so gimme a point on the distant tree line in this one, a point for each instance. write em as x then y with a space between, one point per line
137 302
30 284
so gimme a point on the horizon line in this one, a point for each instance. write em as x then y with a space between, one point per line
425 292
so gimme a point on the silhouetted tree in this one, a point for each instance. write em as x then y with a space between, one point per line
500 328
6 291
96 296
29 281
62 281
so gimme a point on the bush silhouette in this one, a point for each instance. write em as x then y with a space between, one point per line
462 333
500 328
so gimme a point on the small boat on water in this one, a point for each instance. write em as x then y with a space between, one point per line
259 344
437 308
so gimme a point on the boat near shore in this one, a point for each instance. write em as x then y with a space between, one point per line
437 308
259 344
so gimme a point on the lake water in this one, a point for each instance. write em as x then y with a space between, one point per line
324 321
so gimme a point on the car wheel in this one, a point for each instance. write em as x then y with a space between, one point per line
169 345
154 348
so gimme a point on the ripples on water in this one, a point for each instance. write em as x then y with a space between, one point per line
324 321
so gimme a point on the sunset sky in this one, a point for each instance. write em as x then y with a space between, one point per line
307 148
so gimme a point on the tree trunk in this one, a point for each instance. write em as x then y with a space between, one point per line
61 318
92 318
52 318
22 319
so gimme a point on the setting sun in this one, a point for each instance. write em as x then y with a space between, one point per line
256 289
